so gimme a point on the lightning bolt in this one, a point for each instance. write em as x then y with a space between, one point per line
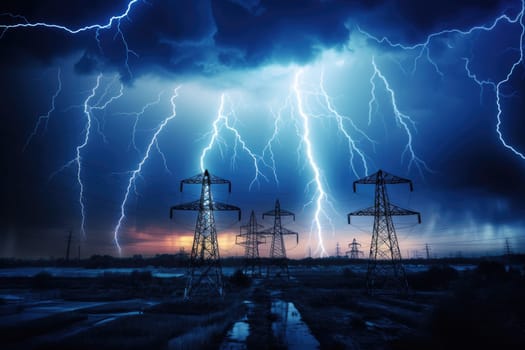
45 117
137 171
504 81
136 118
89 106
353 147
103 106
26 24
78 159
97 27
221 121
423 48
268 148
295 103
163 156
320 196
402 120
481 83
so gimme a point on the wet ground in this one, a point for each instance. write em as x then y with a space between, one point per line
317 308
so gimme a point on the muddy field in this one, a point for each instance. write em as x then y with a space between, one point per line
322 307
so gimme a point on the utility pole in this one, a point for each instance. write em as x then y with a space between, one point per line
385 269
277 248
354 251
508 253
250 238
427 249
68 244
204 276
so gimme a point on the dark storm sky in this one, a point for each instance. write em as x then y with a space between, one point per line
470 196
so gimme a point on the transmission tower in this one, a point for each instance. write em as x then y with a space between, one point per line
250 238
337 250
354 252
385 269
204 275
427 250
277 232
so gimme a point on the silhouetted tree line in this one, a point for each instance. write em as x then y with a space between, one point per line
181 259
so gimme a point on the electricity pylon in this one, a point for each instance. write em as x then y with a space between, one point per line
277 249
354 252
250 238
385 269
204 276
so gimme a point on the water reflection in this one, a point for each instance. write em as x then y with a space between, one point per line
289 329
237 335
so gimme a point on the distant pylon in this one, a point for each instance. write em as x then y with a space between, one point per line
385 269
427 250
337 250
508 251
277 249
204 276
354 252
250 239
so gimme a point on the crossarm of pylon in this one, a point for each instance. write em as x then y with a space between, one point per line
197 180
218 206
285 231
370 211
196 206
386 178
282 212
242 239
394 210
248 227
269 232
266 232
398 211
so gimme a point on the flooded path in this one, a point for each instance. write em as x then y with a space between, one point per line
282 326
238 335
289 329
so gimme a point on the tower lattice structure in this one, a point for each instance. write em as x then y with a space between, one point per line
354 252
278 259
204 275
250 238
385 270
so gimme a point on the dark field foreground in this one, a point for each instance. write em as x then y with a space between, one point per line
481 308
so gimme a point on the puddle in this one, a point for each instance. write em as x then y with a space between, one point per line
289 329
236 337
